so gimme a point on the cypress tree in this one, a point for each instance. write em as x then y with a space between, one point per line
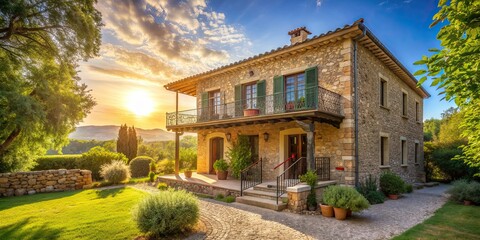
122 141
132 143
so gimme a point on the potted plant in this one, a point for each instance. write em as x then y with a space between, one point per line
344 199
248 112
392 185
221 167
311 179
188 169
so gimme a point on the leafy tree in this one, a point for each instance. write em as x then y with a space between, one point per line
456 67
431 128
41 98
132 143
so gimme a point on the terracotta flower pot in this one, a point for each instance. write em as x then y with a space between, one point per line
251 112
222 175
467 202
340 213
327 211
393 196
188 174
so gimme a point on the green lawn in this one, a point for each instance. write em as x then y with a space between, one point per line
90 214
452 221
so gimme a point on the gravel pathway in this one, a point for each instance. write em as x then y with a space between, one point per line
382 221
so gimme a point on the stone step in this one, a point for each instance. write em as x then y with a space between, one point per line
266 187
262 194
261 202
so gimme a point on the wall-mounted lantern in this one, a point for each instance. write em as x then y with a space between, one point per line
229 136
265 136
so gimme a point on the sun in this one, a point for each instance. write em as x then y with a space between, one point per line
139 102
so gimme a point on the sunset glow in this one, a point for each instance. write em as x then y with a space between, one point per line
140 103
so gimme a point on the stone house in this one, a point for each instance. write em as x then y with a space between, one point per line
338 102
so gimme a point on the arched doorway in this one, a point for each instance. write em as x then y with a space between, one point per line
216 151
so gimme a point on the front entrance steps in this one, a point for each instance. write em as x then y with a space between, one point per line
264 196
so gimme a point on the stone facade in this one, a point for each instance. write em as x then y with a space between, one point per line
21 183
335 63
375 120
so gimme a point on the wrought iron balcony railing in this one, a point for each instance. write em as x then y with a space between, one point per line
315 98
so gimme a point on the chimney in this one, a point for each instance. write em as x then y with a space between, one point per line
298 35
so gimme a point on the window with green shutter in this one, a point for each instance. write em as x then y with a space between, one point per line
204 105
278 94
261 92
311 87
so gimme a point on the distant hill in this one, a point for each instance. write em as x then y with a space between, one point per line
110 132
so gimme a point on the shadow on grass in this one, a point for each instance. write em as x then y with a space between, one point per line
109 192
22 230
10 202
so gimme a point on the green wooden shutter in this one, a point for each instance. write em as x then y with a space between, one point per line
238 101
204 114
261 92
311 87
278 94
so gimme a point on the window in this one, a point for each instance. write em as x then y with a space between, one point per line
404 151
416 152
404 103
295 91
250 95
417 113
384 151
383 92
214 102
253 140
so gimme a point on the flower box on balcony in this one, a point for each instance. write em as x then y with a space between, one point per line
251 112
340 168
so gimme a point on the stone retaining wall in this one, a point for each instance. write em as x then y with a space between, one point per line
21 183
199 188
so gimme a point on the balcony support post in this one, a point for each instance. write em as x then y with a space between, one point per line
309 128
177 138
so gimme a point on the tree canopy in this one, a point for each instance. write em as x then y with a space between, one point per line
456 66
41 97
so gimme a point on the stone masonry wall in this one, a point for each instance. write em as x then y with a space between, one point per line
198 188
374 120
21 183
334 62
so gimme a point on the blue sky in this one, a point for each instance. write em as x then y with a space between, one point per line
148 43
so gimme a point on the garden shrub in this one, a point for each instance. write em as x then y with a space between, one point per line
162 186
240 155
96 157
345 197
462 190
369 190
311 178
229 199
153 167
115 172
166 166
408 188
56 162
166 212
140 166
151 176
220 165
391 184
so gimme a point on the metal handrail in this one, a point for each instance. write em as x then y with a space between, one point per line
283 183
251 176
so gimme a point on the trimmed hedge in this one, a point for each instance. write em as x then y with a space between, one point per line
96 157
140 166
50 162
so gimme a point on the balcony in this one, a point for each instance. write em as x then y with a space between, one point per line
314 103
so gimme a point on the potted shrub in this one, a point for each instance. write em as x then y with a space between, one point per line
188 169
392 185
343 199
311 178
221 167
